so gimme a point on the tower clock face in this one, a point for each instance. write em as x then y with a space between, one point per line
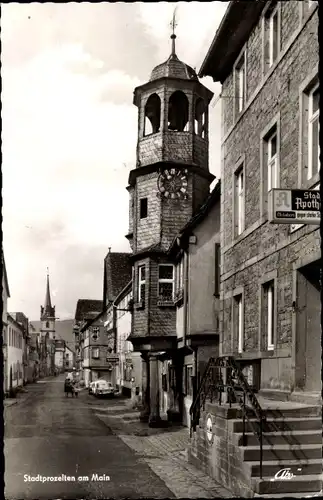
172 183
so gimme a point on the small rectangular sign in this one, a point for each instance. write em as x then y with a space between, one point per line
294 206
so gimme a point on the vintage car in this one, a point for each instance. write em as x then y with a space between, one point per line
103 388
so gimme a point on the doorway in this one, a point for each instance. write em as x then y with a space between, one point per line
308 328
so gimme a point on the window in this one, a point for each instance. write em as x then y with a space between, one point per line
271 35
239 201
95 332
47 324
141 283
152 115
313 132
178 112
238 321
217 269
199 121
188 389
272 162
95 353
240 80
268 314
143 208
180 276
166 282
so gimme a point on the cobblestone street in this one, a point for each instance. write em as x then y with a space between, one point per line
50 435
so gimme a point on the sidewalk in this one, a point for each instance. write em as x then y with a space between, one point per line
164 450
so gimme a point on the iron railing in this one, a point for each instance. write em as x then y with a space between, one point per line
222 375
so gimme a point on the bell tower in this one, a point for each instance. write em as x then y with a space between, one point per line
171 179
47 314
169 184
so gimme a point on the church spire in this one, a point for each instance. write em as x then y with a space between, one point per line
48 304
47 311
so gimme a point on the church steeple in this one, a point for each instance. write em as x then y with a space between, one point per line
47 311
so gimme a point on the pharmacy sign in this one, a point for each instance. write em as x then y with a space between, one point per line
294 206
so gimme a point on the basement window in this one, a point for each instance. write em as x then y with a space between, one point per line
143 208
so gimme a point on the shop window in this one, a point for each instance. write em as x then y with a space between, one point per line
152 115
178 112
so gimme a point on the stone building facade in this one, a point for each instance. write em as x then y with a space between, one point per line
168 186
270 273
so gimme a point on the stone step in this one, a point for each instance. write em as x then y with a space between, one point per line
295 484
307 411
282 452
282 437
282 424
307 494
297 467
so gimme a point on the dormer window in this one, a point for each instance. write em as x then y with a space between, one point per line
178 112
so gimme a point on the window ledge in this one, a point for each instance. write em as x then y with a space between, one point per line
139 305
165 303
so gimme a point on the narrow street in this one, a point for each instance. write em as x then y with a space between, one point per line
49 435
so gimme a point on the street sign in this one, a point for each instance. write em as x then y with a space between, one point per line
294 206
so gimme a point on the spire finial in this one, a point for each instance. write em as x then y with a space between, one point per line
47 271
173 26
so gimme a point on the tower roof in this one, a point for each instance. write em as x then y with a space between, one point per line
48 303
47 311
173 68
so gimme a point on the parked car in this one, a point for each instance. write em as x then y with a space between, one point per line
103 388
91 386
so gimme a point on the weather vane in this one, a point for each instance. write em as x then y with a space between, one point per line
173 25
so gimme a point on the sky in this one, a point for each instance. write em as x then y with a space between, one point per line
69 132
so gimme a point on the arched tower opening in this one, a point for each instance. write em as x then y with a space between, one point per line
178 112
152 115
199 118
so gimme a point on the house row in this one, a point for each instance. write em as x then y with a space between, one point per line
215 272
32 350
102 329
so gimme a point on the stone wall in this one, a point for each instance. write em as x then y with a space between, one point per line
220 457
265 248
